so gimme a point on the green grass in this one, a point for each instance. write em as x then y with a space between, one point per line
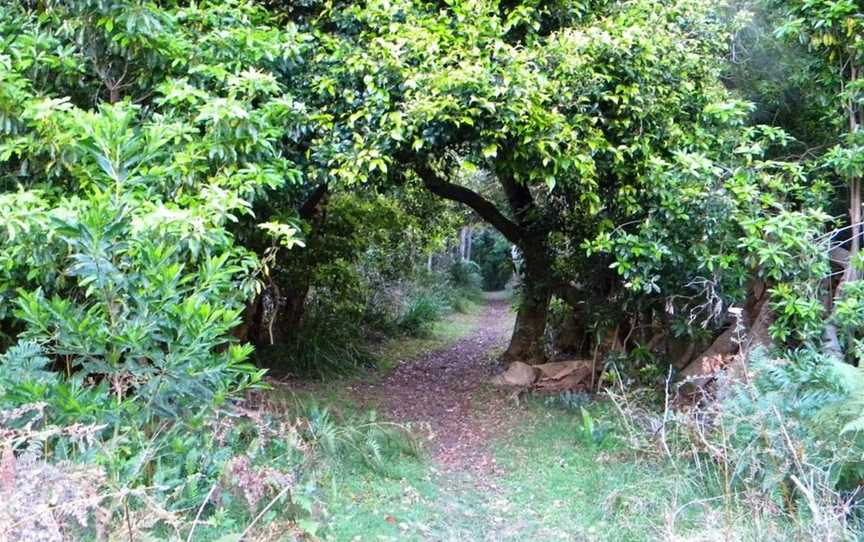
361 504
592 488
563 478
444 333
558 485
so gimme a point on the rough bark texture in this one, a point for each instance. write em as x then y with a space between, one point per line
704 366
753 333
526 344
465 235
831 344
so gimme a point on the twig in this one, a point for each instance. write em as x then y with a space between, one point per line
200 510
264 511
126 518
666 415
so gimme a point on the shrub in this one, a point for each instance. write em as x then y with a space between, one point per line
357 438
492 253
789 419
430 296
145 313
781 440
124 302
422 309
465 275
328 343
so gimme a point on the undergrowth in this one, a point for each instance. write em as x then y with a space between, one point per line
358 438
773 449
248 472
335 338
329 346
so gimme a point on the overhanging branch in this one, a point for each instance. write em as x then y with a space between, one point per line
483 207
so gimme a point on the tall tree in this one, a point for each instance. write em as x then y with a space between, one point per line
565 118
834 30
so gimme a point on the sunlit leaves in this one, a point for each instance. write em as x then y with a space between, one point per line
283 234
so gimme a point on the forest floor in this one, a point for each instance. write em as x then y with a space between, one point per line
494 469
443 393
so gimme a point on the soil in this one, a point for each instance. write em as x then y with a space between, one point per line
447 393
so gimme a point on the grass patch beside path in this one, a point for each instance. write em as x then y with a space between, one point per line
558 483
572 483
444 333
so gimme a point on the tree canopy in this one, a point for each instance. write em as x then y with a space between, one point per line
194 193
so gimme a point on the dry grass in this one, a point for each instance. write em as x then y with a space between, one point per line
766 491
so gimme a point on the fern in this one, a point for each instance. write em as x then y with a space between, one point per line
361 439
807 407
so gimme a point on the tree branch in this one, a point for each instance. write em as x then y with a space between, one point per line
483 207
519 198
310 207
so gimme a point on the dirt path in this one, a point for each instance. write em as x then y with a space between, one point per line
446 391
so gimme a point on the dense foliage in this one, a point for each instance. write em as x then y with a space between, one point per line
193 193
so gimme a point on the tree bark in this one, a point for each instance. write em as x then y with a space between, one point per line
280 323
753 333
526 343
485 208
831 343
572 337
854 192
464 244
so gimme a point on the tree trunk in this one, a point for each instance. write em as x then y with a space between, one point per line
525 231
854 192
293 308
573 337
526 344
753 333
261 316
463 244
831 342
275 316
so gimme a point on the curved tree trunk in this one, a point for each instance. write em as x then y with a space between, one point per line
752 333
525 230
